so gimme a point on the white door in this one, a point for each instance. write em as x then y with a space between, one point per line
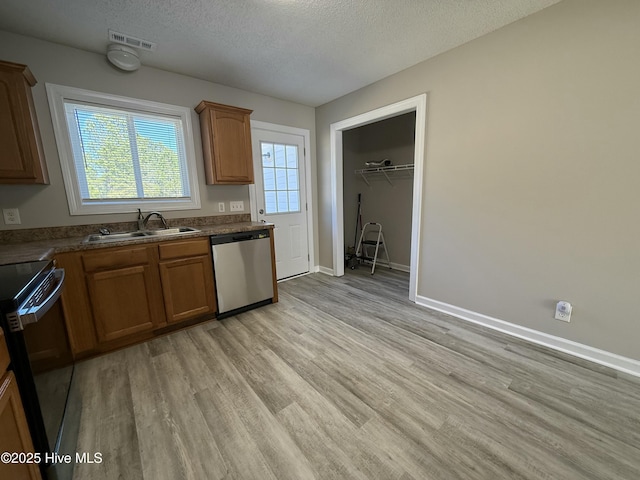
279 165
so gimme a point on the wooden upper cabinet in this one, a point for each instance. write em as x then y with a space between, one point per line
226 143
21 157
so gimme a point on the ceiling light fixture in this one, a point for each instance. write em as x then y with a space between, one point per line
123 57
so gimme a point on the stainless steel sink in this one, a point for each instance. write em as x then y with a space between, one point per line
171 231
124 236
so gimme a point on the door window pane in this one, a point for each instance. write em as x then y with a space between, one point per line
292 156
267 155
281 178
280 155
282 183
270 204
269 179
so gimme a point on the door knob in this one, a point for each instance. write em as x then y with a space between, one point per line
261 212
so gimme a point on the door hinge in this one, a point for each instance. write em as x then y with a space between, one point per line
306 207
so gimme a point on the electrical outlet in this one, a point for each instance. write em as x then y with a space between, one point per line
220 206
11 216
563 311
236 206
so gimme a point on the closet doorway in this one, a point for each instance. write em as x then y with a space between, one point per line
378 168
346 141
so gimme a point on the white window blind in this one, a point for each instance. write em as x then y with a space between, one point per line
119 154
126 155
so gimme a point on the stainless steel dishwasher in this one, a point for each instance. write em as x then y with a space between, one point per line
243 271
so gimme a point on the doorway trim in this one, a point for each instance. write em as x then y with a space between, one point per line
416 104
306 135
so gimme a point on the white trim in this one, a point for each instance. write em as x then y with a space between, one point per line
293 277
394 266
402 268
306 135
417 104
602 357
325 270
57 94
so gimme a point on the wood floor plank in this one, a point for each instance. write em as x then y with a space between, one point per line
240 452
281 453
159 455
330 462
193 439
107 422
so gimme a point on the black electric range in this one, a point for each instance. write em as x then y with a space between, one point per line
33 324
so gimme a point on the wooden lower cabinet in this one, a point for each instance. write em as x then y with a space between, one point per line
123 302
121 295
14 436
187 285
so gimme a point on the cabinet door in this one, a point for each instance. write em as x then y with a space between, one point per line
226 143
15 435
123 301
21 159
187 285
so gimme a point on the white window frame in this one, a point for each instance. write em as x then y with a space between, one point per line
57 94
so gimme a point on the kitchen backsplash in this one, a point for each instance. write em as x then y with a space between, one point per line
46 233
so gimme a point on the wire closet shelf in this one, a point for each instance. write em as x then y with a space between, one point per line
388 172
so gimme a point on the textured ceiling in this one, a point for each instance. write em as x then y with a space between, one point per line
306 51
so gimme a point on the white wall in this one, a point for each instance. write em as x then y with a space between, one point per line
44 206
531 171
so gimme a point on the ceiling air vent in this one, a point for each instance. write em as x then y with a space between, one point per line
131 41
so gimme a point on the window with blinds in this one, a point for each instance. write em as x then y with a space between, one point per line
120 154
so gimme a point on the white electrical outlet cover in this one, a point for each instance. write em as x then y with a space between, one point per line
11 216
563 311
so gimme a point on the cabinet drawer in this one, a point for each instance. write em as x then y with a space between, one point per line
115 258
184 248
4 353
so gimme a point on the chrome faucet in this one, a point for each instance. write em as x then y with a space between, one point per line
146 220
140 220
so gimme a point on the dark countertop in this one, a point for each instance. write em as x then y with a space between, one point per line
46 248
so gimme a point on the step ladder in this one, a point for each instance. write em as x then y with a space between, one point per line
371 236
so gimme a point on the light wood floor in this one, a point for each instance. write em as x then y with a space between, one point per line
347 379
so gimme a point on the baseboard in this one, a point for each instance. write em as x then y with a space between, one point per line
293 277
402 268
326 271
602 357
394 266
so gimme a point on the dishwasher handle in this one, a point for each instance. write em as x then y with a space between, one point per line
242 238
239 237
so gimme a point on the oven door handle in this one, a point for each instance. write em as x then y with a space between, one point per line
34 313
